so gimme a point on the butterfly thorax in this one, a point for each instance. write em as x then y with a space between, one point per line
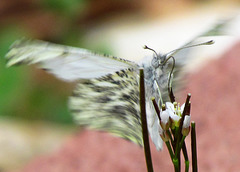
155 72
156 77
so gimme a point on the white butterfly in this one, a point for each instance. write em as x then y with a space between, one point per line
107 94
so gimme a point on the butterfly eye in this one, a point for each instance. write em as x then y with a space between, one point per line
155 62
162 59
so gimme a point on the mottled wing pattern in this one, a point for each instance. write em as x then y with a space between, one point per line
109 103
67 63
106 96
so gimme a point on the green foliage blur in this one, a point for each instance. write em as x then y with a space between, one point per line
27 92
20 97
65 7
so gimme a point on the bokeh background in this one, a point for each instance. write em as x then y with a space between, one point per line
36 129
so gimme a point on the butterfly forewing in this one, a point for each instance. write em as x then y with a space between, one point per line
67 63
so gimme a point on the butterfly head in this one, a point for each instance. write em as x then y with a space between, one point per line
158 59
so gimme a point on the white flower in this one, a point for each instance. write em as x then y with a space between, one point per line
173 115
186 122
170 106
186 125
174 107
175 112
165 123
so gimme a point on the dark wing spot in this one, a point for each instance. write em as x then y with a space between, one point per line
104 99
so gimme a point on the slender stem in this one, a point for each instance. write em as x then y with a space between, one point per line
179 132
185 154
186 166
176 159
147 150
156 108
170 137
173 131
178 149
169 149
175 138
180 145
194 148
176 164
179 136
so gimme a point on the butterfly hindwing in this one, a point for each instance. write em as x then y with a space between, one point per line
109 103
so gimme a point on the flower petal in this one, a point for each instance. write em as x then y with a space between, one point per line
164 116
170 106
186 122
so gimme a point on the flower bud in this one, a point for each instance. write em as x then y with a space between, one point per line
164 135
165 122
186 125
175 119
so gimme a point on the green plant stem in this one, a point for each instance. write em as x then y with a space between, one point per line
175 138
185 154
170 137
147 150
177 151
170 149
179 136
194 148
181 144
184 149
176 164
186 166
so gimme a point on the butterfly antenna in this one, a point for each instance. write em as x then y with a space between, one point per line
195 45
146 47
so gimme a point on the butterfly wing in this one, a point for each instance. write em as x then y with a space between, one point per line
183 57
109 103
219 29
106 96
67 63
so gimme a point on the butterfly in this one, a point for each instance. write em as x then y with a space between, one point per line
106 96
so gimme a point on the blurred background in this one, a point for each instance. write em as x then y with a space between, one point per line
34 118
